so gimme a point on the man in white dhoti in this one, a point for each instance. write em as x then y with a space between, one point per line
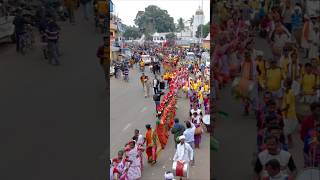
184 153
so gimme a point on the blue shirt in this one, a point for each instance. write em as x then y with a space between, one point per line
296 20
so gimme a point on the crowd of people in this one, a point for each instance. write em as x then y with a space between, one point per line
45 20
172 77
278 88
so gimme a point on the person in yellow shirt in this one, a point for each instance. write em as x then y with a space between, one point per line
308 84
142 65
284 63
206 87
289 111
254 4
273 80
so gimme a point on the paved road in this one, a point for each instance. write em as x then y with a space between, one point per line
130 110
237 135
53 119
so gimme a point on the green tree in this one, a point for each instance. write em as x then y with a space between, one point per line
205 30
171 39
132 32
191 20
180 25
154 19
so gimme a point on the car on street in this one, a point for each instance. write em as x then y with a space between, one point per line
146 59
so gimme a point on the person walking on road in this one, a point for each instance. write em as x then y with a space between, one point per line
273 168
289 112
184 153
189 135
273 152
156 85
147 86
177 131
52 34
151 145
85 5
71 6
19 24
157 99
126 73
132 152
142 80
138 137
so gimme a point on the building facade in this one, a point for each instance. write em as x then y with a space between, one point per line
197 21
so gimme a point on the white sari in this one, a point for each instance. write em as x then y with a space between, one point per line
134 171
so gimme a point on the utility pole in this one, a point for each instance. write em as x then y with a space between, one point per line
201 20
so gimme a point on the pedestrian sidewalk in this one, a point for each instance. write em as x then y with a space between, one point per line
201 170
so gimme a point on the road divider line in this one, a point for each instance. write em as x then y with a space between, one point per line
127 126
144 109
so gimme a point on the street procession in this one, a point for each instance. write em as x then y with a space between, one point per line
266 57
160 97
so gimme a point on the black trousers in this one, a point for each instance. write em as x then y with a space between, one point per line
156 90
18 37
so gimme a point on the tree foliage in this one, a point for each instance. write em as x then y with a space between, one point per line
154 19
180 25
132 32
191 20
205 30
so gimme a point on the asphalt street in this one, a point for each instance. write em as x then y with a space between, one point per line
130 110
237 136
53 118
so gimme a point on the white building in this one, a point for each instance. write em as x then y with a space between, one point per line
186 33
159 37
197 21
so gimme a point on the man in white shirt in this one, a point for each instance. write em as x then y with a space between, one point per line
274 173
274 152
189 136
184 152
155 85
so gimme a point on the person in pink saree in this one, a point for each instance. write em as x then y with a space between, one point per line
132 152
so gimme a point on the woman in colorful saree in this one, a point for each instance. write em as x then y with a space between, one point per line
151 145
118 166
133 156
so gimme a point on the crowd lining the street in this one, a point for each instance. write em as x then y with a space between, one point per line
277 89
